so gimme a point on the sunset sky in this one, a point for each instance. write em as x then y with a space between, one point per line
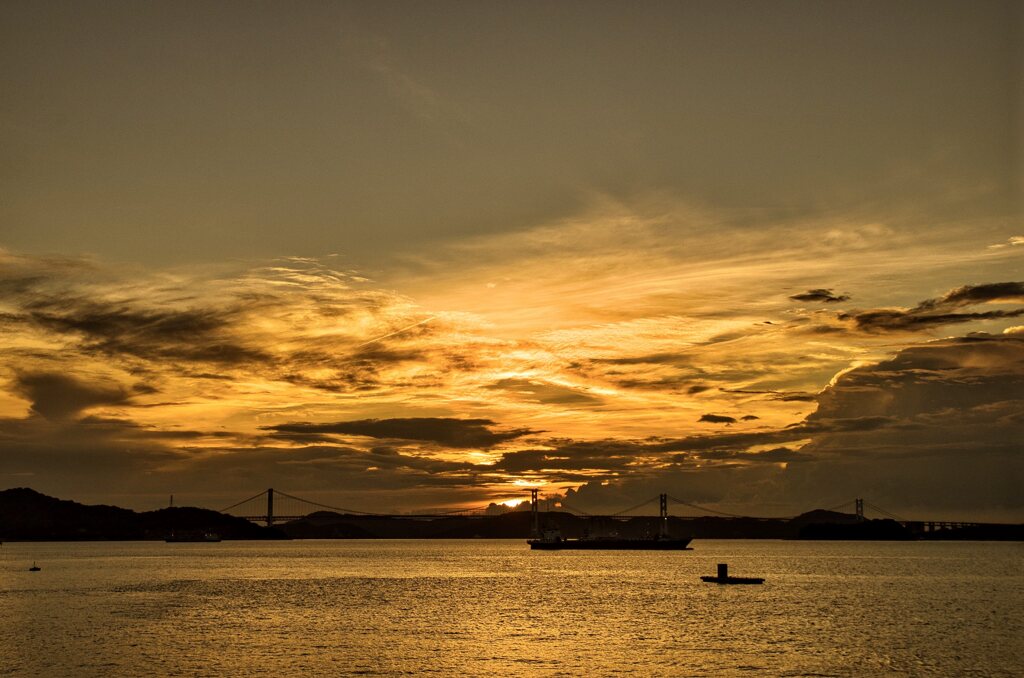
765 257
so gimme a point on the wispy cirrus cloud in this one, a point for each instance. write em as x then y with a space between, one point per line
1012 241
446 431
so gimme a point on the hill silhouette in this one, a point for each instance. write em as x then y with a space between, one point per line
27 515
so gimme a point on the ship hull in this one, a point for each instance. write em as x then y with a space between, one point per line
609 545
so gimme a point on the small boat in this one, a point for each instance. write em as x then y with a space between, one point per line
724 578
34 568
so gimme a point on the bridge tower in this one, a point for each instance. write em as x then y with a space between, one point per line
535 529
663 513
859 508
270 507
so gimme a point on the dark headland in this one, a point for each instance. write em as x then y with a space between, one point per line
27 515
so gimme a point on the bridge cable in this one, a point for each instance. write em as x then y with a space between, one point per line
839 506
255 496
581 512
460 511
633 508
371 513
702 508
572 509
325 506
883 511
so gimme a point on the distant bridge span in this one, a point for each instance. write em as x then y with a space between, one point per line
273 506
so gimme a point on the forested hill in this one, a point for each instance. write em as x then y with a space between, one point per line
27 515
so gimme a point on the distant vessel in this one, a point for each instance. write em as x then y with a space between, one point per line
192 536
34 568
724 578
552 540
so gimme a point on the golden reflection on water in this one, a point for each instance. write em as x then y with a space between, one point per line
481 607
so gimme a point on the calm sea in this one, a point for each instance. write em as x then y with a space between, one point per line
493 607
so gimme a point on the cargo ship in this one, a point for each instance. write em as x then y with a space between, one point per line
551 540
192 537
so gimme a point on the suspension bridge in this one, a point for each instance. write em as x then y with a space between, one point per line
272 507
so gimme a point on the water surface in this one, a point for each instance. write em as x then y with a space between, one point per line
493 607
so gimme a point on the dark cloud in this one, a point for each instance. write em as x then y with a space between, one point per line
75 457
717 419
649 359
825 329
69 457
602 458
976 294
774 456
361 370
304 437
545 392
749 417
456 433
730 441
781 396
940 311
668 383
934 431
377 354
895 320
823 295
59 396
343 458
952 374
794 397
173 326
737 442
194 335
109 456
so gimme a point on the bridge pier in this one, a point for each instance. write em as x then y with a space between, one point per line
270 507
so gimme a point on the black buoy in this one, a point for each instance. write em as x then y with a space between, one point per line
724 578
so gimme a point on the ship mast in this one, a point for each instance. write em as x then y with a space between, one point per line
535 529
